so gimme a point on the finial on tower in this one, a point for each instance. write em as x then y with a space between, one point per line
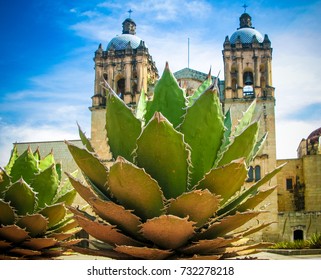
129 13
245 6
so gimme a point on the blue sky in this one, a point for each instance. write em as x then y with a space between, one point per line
47 47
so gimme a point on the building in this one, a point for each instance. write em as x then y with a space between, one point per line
128 68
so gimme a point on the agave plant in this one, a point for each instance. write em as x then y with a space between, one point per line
34 222
176 188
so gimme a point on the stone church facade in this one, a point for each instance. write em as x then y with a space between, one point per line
128 67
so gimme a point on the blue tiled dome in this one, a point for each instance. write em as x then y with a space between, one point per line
120 42
246 35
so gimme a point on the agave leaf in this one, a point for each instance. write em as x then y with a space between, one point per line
135 189
203 130
122 127
169 99
161 151
25 252
4 181
198 206
117 215
13 233
202 88
35 224
207 246
227 224
21 197
246 118
84 191
91 166
145 253
36 154
258 146
40 243
225 180
254 229
250 191
45 184
242 146
25 166
168 231
7 216
104 232
66 192
141 107
255 200
202 257
54 213
47 161
85 140
4 245
13 158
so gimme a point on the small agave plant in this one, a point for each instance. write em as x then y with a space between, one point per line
34 222
176 188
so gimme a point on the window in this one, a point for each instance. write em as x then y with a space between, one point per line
289 184
250 175
257 173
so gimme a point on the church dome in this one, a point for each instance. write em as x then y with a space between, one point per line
246 32
246 35
314 135
120 42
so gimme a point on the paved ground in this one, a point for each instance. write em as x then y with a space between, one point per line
261 255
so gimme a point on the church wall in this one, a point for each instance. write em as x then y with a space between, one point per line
312 181
308 222
98 133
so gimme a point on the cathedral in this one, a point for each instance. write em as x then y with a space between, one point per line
128 67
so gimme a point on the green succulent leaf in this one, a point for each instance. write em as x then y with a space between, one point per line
35 224
168 231
198 206
66 193
13 233
161 151
21 197
13 158
135 189
25 166
91 166
258 146
255 200
247 193
40 243
246 119
47 161
103 231
207 246
169 99
141 107
145 253
202 88
227 224
225 180
4 181
203 130
45 184
85 140
122 127
242 146
7 216
54 213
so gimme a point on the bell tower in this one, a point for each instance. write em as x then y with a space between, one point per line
128 68
247 57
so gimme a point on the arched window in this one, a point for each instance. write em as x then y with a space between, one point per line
121 88
257 173
250 175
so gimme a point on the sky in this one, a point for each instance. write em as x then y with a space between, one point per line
47 49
